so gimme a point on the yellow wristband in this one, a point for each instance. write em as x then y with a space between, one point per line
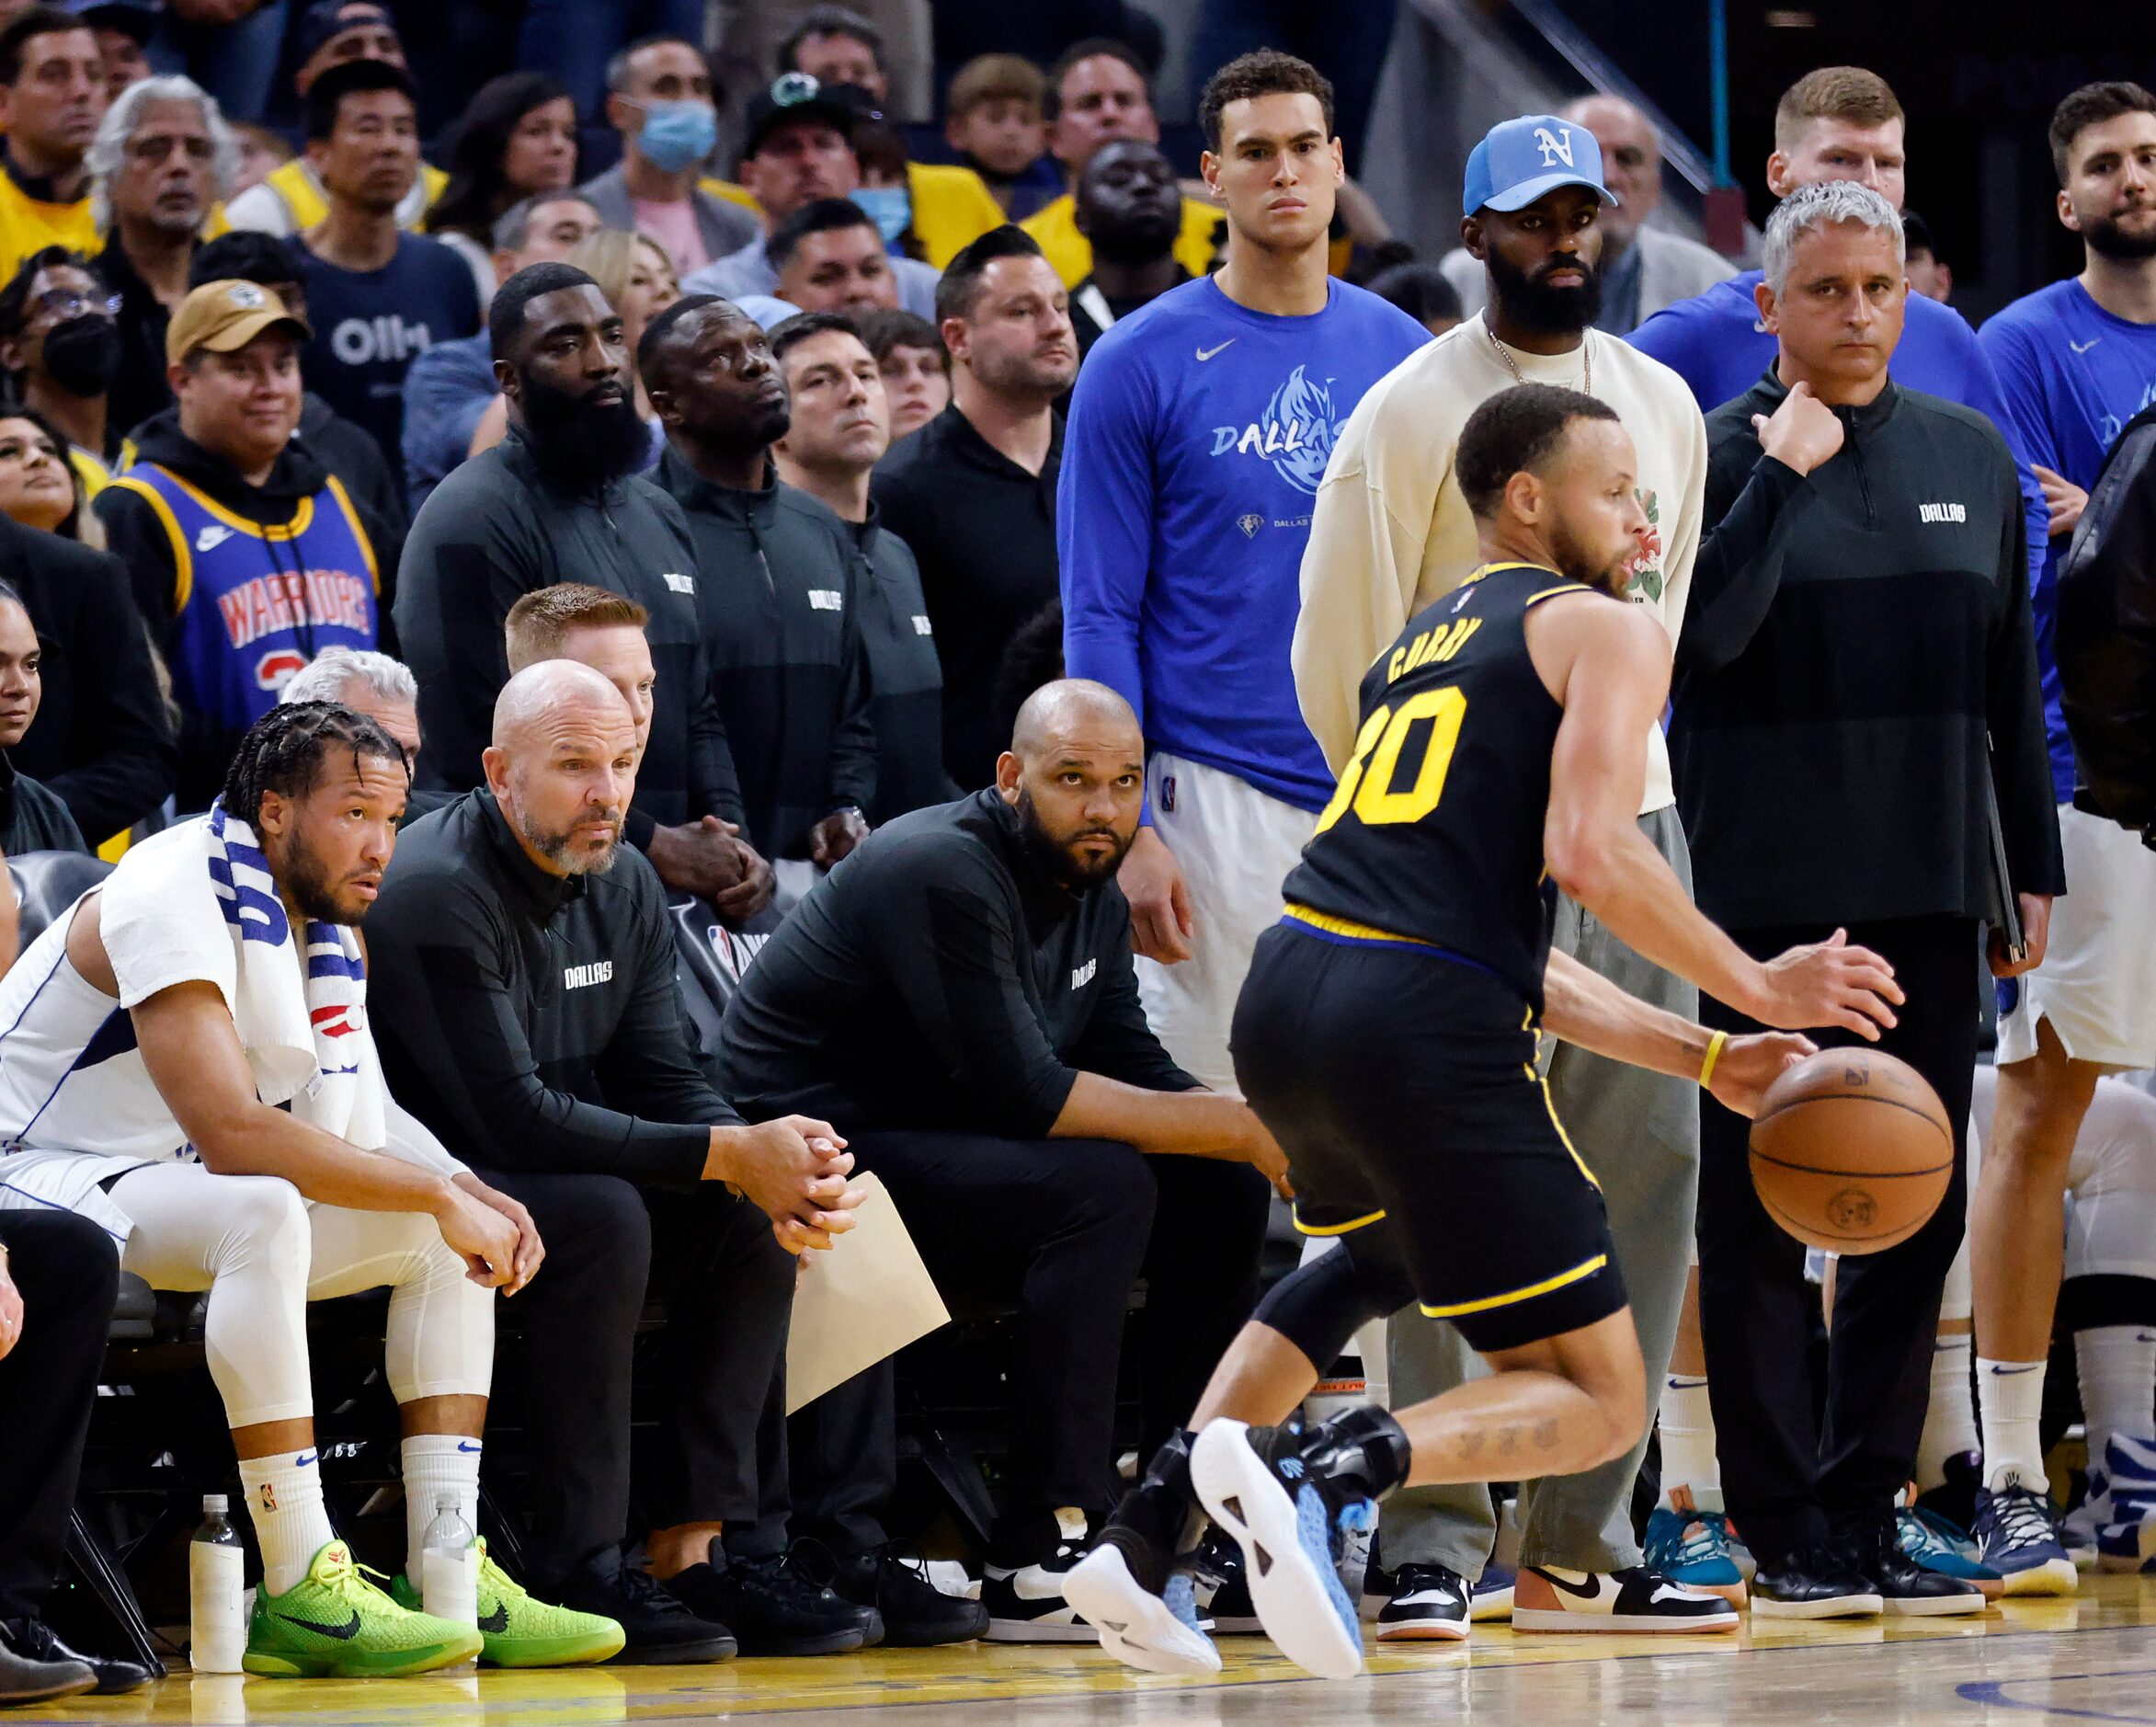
1714 1054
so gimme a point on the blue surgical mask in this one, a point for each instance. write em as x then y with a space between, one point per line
677 135
889 207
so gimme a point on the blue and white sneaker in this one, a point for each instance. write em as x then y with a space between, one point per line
2018 1537
1156 1633
2077 1529
1253 1484
1934 1544
2126 1540
1492 1598
1692 1549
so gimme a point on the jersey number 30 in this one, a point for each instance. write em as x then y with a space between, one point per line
1367 785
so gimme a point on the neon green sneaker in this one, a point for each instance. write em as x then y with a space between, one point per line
521 1632
334 1624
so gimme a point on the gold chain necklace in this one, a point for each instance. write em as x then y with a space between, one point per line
1512 366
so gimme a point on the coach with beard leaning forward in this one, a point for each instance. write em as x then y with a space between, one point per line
560 501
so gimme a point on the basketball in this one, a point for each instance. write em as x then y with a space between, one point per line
1851 1150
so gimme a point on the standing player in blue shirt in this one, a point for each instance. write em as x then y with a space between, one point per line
1837 123
1198 434
2075 361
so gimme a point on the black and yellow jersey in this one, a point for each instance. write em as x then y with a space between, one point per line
1433 836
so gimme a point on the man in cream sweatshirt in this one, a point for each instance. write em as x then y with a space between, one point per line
1391 534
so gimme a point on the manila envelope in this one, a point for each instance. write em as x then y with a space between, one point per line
866 1299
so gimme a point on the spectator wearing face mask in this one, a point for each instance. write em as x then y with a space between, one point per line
799 150
659 100
59 343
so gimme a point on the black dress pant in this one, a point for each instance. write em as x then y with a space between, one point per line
67 1271
1787 1481
1063 1228
729 1293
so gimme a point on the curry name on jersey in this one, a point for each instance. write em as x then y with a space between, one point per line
1434 834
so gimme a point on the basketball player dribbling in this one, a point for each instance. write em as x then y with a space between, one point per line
1386 1037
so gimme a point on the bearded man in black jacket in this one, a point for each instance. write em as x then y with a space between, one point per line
560 501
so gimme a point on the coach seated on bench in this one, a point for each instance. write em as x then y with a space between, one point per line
524 976
186 1063
958 998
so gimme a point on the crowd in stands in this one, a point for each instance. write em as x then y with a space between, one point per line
560 481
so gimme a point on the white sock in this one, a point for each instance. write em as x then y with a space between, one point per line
1950 1417
2010 1398
2118 1380
284 1497
437 1466
1689 1466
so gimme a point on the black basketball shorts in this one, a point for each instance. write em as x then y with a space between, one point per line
1400 1081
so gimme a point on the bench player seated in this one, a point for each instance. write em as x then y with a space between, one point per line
187 1062
1386 1037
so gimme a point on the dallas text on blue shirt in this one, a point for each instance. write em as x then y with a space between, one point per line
1198 434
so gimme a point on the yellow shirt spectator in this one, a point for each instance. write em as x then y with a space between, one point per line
952 207
1056 227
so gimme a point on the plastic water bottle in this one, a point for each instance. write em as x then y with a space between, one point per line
217 1563
448 1566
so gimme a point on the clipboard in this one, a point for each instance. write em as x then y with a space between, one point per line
860 1302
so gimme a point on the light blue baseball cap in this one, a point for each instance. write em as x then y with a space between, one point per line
1520 160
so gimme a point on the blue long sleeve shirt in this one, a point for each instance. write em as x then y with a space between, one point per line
2070 375
1715 342
1197 437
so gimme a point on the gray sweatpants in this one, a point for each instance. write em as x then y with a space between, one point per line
1639 1133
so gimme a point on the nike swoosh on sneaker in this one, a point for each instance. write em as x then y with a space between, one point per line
349 1629
1589 1591
498 1622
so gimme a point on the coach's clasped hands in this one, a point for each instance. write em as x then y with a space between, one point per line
793 1170
1827 983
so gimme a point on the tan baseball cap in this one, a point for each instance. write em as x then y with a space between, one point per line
224 316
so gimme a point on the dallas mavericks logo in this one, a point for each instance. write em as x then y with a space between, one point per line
1296 433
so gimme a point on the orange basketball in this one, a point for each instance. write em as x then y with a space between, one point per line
1852 1150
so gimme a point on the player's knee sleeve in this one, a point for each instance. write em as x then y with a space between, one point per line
1322 1304
1957 1301
440 1340
255 1328
2087 1302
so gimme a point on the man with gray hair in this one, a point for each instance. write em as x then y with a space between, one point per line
384 690
1643 268
1859 640
162 160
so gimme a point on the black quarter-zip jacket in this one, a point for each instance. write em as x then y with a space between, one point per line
1852 637
532 1021
939 977
492 533
776 596
906 677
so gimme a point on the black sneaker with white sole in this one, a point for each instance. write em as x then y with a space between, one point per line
1026 1603
1547 1599
1425 1603
1908 1590
1815 1582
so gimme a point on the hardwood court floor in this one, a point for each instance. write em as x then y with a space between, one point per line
2090 1658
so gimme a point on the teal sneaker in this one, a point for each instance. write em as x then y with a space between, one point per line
1691 1548
1937 1545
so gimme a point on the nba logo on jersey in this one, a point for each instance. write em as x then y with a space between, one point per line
1167 793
